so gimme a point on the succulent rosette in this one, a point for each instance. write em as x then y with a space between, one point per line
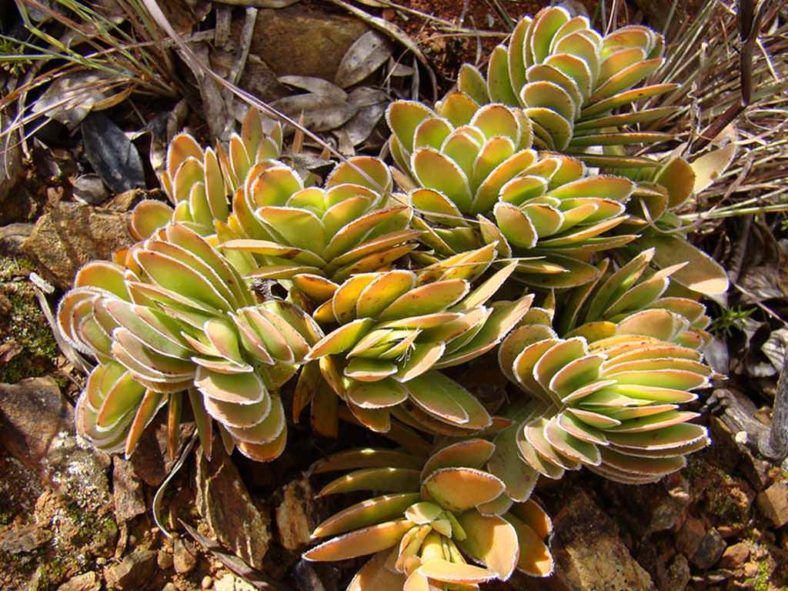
388 333
178 317
544 209
571 82
351 225
609 400
200 181
439 516
593 309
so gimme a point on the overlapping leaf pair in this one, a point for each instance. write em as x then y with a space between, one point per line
544 209
439 511
571 82
178 317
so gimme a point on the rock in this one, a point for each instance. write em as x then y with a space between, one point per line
735 455
588 552
735 556
206 583
183 559
164 559
773 503
126 491
294 515
304 41
36 426
709 550
23 540
133 572
88 581
690 536
230 513
654 507
677 576
230 582
72 234
12 237
33 414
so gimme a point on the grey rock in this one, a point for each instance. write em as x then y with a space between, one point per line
709 550
224 502
72 234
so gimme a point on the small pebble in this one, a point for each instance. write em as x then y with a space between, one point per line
206 583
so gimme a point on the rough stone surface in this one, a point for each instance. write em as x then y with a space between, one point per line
230 582
294 515
690 536
126 491
773 502
72 234
33 414
133 572
654 507
304 41
677 576
88 581
13 236
735 556
224 502
36 426
589 554
709 550
183 559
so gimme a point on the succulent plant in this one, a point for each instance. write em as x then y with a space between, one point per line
543 209
392 332
609 400
594 309
178 317
352 225
437 511
200 181
653 211
571 82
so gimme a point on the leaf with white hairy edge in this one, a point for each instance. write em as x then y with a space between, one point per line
492 541
460 489
359 543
